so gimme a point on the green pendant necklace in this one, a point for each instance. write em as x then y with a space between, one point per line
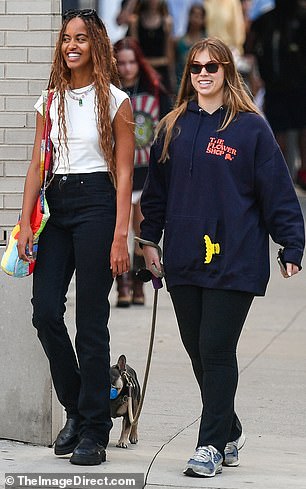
79 96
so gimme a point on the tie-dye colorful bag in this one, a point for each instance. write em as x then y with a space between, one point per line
11 263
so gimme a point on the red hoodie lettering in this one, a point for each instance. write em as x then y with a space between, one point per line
217 147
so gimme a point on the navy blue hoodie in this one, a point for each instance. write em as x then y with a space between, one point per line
218 198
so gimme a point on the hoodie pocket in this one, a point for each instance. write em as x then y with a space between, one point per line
192 244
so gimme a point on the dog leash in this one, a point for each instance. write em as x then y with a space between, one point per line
146 276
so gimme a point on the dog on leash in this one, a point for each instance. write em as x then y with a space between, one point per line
124 383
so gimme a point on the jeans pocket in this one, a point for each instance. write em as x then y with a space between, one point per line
97 184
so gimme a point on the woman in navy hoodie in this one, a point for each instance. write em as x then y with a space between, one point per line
218 186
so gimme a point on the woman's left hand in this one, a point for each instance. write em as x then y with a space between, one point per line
119 257
291 269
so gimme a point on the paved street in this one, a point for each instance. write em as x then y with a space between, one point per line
271 398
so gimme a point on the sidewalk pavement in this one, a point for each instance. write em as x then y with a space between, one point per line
271 399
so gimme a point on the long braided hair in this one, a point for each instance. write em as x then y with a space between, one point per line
104 73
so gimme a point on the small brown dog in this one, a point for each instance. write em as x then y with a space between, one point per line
124 382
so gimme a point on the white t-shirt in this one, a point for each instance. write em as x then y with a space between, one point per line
84 154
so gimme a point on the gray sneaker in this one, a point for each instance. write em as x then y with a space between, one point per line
231 458
206 462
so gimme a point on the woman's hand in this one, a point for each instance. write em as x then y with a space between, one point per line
119 257
152 260
25 243
291 269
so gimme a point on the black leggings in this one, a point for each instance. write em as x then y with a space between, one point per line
210 323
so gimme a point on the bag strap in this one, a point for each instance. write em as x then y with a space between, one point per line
46 148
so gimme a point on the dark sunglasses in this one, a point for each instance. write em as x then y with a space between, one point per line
85 12
210 67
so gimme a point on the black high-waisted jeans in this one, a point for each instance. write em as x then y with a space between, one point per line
210 323
78 238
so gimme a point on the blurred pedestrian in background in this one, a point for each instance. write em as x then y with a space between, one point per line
279 43
224 19
126 13
196 30
179 11
247 64
150 102
152 27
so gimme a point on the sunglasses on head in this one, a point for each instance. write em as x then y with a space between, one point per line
85 12
210 67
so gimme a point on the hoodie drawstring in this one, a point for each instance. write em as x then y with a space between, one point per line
196 134
194 140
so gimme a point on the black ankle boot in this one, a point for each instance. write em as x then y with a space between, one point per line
88 452
68 437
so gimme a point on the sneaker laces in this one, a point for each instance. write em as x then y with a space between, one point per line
205 454
231 446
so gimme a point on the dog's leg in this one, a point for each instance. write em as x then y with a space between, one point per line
126 428
134 433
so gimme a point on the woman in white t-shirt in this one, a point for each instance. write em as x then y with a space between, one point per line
89 199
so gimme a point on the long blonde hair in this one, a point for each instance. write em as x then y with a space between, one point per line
235 96
104 73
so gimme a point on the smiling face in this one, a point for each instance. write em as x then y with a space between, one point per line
76 47
128 67
209 86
